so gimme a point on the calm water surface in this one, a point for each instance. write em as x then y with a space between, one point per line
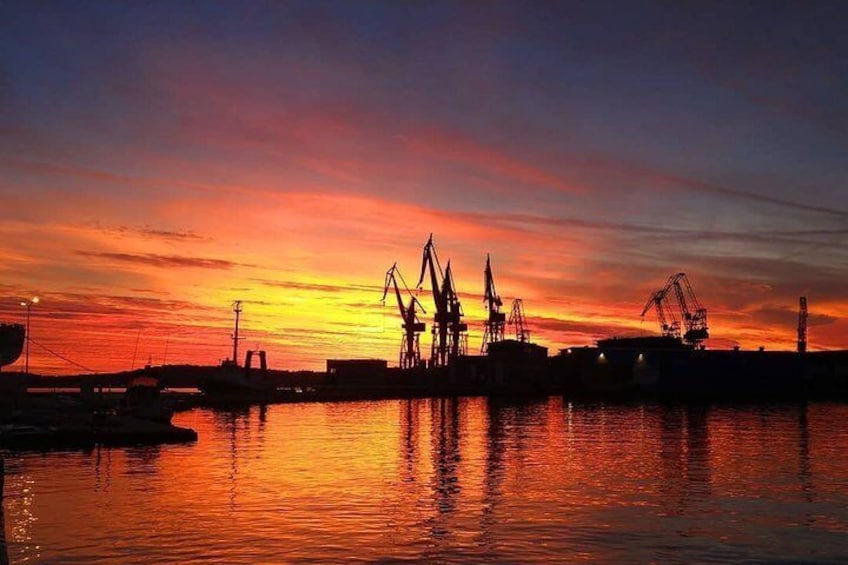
465 480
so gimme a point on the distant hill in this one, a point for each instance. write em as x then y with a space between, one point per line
171 376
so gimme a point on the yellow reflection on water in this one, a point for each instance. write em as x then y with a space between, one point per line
451 480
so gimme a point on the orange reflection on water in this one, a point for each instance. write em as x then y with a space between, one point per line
450 480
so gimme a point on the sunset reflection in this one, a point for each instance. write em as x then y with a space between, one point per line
453 478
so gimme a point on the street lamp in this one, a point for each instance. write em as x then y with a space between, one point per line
28 304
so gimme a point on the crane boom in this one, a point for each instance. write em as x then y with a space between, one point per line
494 329
694 321
430 261
448 330
391 281
652 301
410 353
669 326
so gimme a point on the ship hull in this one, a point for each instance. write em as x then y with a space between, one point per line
680 373
12 338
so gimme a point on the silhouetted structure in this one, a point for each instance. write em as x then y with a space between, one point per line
410 352
449 332
665 367
28 304
693 314
4 552
518 364
802 325
518 322
12 338
357 372
494 331
231 379
237 309
669 327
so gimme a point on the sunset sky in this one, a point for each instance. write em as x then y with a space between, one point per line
159 160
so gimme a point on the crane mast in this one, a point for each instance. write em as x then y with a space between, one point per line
457 330
410 352
494 329
802 325
448 330
517 320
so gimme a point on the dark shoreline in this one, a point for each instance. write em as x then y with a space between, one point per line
589 373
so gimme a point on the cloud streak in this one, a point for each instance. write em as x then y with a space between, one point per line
162 261
318 287
590 168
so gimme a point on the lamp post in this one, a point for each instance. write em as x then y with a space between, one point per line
28 304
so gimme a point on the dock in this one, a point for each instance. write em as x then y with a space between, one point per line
44 420
125 433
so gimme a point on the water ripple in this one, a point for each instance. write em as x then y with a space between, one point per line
448 481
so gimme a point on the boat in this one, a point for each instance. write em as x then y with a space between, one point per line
12 337
230 378
144 401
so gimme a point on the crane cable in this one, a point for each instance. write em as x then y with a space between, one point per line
62 357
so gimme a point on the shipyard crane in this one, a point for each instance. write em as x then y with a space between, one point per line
457 329
802 325
693 314
517 320
665 316
494 330
410 353
448 330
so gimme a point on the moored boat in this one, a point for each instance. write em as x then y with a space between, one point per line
12 337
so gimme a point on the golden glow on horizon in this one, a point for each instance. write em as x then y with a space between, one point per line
308 261
310 295
293 182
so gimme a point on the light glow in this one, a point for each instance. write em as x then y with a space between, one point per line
295 181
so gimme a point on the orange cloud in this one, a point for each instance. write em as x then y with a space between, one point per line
297 205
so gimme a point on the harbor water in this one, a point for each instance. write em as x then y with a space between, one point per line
448 481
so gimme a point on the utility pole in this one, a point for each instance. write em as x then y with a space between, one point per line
238 310
802 325
28 304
